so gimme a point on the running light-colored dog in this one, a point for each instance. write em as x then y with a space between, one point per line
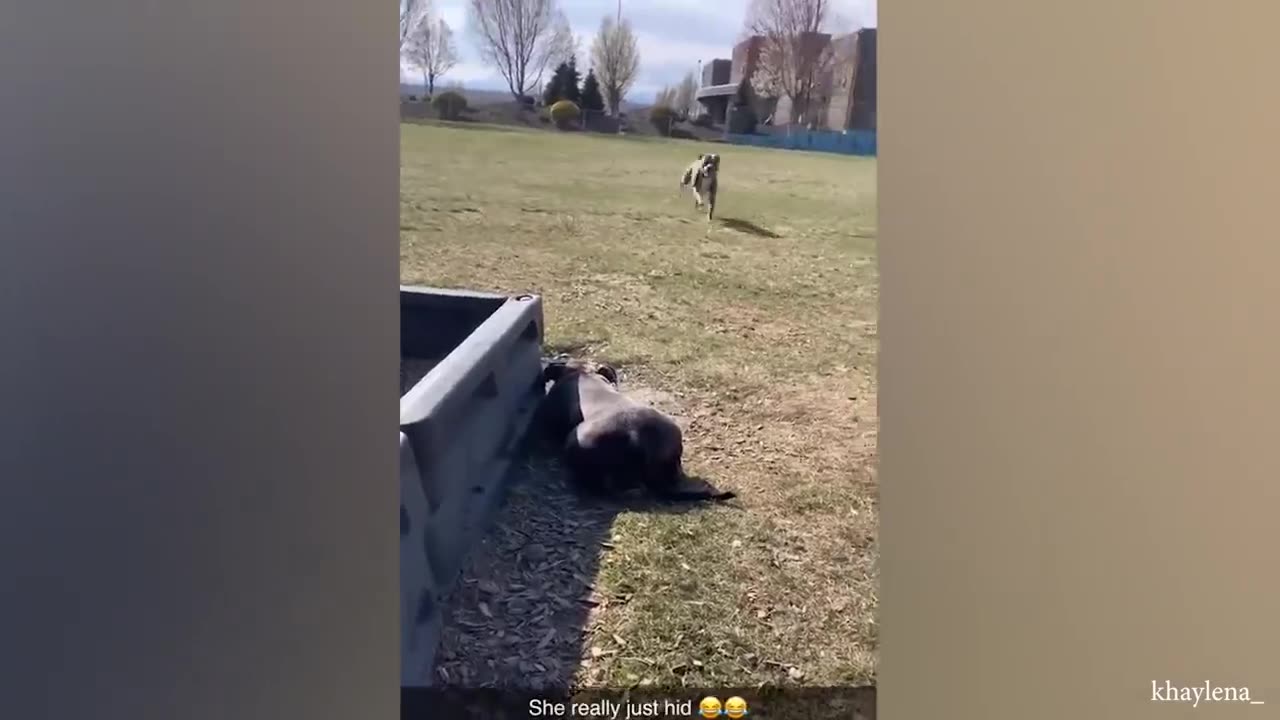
703 177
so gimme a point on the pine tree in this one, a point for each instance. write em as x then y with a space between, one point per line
591 97
563 84
569 83
554 92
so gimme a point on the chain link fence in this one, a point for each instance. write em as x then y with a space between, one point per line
600 121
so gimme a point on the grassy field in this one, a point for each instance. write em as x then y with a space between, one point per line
757 331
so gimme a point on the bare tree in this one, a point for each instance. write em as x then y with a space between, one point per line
615 54
522 38
412 13
431 49
665 98
685 95
794 62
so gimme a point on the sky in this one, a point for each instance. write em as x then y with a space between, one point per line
673 36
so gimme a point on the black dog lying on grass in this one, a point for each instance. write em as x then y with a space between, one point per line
611 442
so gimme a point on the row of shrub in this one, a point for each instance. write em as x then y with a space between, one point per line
666 121
450 105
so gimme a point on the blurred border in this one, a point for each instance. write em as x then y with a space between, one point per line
198 269
1078 357
198 299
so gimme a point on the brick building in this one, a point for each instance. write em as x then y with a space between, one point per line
851 87
746 55
845 95
812 47
717 72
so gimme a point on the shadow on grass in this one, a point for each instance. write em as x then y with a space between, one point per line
748 227
519 616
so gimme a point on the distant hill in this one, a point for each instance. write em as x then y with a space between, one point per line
474 97
478 98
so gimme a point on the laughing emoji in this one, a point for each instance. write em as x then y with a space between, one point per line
709 707
735 707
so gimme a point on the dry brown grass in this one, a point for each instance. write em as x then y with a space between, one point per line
758 332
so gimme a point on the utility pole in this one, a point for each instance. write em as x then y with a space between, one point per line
619 12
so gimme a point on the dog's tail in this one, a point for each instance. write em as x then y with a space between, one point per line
687 178
679 496
689 489
697 495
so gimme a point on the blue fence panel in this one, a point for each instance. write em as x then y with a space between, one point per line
854 142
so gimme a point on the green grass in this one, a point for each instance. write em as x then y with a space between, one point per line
758 330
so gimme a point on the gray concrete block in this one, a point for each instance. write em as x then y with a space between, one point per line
459 426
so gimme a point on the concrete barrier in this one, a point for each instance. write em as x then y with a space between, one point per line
460 426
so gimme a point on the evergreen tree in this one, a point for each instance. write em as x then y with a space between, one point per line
591 97
570 82
563 84
554 92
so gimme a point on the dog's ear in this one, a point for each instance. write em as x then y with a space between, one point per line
608 373
701 157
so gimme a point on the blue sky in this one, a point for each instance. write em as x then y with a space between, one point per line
673 35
